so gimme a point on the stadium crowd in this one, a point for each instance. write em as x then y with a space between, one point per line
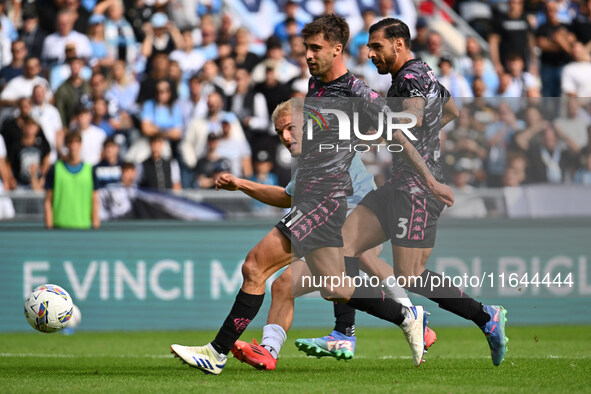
181 90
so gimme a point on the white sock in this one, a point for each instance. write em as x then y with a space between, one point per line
408 317
395 292
219 356
273 338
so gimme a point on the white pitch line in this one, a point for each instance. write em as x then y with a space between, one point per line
291 356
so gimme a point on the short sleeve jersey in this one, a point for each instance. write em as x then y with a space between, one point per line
416 79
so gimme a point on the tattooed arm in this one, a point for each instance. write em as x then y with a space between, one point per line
450 112
411 156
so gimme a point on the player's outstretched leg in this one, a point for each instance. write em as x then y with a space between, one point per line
494 330
270 254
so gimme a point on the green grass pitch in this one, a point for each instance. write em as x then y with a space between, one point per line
540 359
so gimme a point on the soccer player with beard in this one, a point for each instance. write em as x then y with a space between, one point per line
322 185
402 210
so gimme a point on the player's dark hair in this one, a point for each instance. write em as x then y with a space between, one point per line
393 28
334 28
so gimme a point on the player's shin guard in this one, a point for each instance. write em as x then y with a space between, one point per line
449 297
343 313
244 310
374 301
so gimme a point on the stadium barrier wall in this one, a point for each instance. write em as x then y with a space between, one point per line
177 275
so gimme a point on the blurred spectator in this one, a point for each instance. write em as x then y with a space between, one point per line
71 200
48 117
534 125
60 72
179 85
99 55
7 182
572 126
156 172
92 136
297 49
583 175
263 165
226 81
275 60
282 29
183 13
581 26
159 72
243 55
465 142
138 13
453 81
101 118
162 37
549 160
433 52
575 81
98 90
498 136
468 204
236 151
476 64
555 42
161 116
362 67
54 45
158 117
478 14
512 33
299 85
483 69
31 33
251 109
128 175
7 29
190 60
274 91
521 80
73 92
360 38
420 41
23 85
209 36
50 11
108 170
120 39
515 172
17 65
194 106
124 89
12 127
5 55
29 156
211 165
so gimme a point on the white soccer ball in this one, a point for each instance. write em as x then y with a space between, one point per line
49 308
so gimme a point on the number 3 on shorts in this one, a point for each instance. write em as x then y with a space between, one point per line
402 222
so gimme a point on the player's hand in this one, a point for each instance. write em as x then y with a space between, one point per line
227 182
443 193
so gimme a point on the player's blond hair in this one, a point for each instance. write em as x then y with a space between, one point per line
282 109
